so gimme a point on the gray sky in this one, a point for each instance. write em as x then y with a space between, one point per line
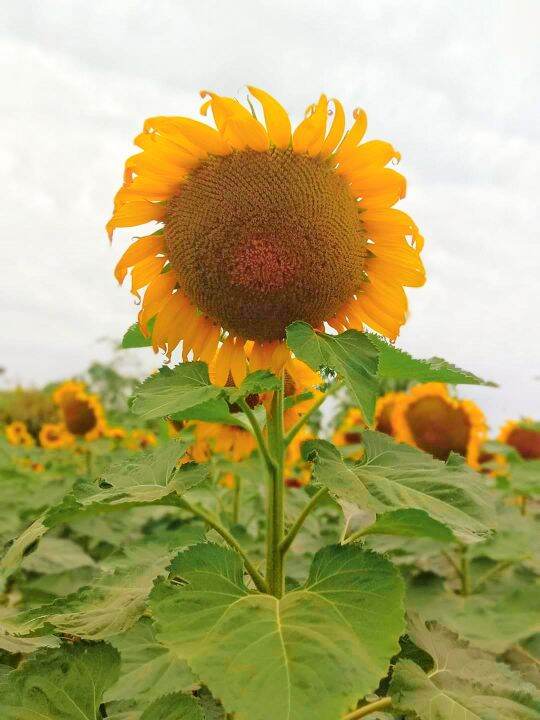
453 85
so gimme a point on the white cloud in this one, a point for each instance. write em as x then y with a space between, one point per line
453 85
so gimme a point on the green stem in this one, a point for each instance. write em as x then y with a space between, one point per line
523 505
275 513
296 527
465 572
257 432
356 535
452 562
293 432
381 704
237 493
499 567
89 463
258 580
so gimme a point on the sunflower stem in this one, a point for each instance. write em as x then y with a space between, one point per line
298 523
275 522
257 432
381 704
258 580
293 432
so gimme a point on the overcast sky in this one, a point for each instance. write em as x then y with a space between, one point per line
453 85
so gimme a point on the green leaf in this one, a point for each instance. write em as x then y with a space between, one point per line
175 390
61 684
260 381
399 365
56 555
148 669
464 684
410 522
133 337
115 600
174 707
309 655
524 477
393 476
151 477
349 354
12 644
493 620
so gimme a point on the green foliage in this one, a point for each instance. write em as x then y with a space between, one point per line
60 684
133 337
350 354
337 631
464 683
393 477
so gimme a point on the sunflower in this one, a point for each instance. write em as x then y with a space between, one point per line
115 433
140 440
297 470
53 436
231 441
350 428
430 419
524 436
17 434
82 414
384 410
259 226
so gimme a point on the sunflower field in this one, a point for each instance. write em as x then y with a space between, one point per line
293 518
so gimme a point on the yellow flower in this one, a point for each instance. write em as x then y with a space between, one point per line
231 441
115 433
17 434
261 225
33 465
350 428
524 436
82 414
384 410
53 436
430 419
297 471
140 439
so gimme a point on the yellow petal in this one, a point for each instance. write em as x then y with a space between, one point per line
181 129
138 212
309 135
222 362
141 249
276 118
236 124
238 362
145 271
354 135
336 129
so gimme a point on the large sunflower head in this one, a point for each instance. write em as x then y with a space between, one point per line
429 418
384 411
231 441
261 225
53 436
82 414
524 436
17 434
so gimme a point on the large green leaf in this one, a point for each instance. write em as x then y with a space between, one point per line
174 707
505 612
61 684
524 477
349 354
175 390
149 478
394 476
410 522
308 656
148 669
399 365
464 684
116 599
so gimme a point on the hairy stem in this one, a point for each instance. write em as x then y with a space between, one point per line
257 578
257 432
368 709
293 432
296 527
275 522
